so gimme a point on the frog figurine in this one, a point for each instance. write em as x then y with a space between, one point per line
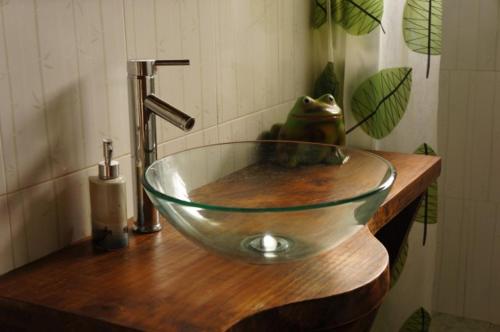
311 120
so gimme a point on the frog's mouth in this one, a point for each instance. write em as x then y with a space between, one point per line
321 116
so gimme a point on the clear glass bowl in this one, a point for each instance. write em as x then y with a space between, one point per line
244 200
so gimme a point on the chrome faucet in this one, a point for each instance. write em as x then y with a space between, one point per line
143 106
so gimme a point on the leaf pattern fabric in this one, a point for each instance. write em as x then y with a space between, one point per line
327 82
357 17
399 263
422 27
419 321
379 103
427 213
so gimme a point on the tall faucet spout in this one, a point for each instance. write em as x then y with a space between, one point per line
168 112
144 106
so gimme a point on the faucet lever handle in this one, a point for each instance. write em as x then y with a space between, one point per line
183 62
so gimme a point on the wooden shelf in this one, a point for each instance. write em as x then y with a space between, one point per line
162 282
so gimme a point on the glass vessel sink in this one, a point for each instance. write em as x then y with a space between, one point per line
245 200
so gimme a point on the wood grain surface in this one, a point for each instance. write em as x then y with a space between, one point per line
162 282
270 185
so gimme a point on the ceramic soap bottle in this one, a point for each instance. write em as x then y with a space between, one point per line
108 203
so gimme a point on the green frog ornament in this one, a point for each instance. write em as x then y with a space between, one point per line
310 120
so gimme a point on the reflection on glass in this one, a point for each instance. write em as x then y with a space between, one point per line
241 200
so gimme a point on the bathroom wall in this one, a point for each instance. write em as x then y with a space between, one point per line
63 88
468 264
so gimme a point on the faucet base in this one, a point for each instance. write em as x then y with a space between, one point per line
146 229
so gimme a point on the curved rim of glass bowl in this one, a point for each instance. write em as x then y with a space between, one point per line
381 187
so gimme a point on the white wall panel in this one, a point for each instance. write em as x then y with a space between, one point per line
39 209
207 11
73 207
58 51
116 79
28 105
480 245
6 257
468 27
169 46
93 75
468 260
63 88
8 141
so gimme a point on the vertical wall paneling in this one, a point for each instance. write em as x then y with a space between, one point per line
3 183
457 126
144 33
468 33
208 61
172 146
286 51
6 255
444 97
116 78
497 58
73 207
93 69
3 85
198 162
190 37
272 67
238 133
494 287
58 54
28 106
129 18
276 114
486 52
494 176
253 126
194 140
479 127
211 136
63 88
450 33
17 228
243 51
169 46
479 265
226 63
468 262
443 110
450 291
238 130
303 77
225 160
38 204
8 140
259 44
225 132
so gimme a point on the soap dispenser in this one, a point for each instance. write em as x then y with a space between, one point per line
108 203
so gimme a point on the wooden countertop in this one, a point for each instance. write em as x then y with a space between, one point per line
163 282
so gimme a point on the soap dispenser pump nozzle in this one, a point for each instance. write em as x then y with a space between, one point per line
108 168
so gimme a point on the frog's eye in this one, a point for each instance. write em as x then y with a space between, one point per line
331 99
306 100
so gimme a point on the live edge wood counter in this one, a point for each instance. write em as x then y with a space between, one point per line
162 282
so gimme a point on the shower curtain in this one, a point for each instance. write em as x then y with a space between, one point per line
407 37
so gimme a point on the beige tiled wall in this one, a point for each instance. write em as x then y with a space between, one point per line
468 266
63 87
